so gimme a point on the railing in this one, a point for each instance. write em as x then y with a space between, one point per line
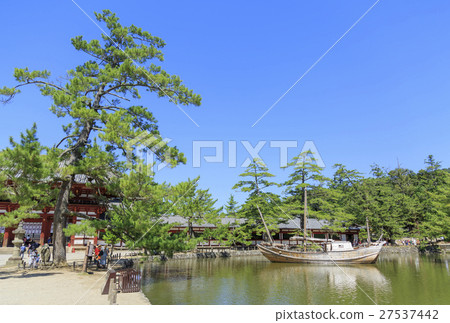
118 256
129 280
125 281
244 248
253 242
225 248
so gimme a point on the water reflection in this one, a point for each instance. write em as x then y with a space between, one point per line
395 279
319 284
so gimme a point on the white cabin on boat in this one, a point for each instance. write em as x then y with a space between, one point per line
339 246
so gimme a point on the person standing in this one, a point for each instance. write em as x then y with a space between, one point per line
96 255
107 254
22 250
103 256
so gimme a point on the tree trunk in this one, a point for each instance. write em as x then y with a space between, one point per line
85 260
367 228
59 223
62 203
190 229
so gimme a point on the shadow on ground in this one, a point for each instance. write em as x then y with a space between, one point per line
6 275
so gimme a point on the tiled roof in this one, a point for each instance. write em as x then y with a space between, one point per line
179 220
311 224
290 224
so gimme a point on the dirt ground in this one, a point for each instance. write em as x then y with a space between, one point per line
58 287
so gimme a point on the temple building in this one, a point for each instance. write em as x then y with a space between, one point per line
40 229
317 229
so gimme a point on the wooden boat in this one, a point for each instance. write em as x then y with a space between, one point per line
332 252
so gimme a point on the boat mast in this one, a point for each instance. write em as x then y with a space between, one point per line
264 222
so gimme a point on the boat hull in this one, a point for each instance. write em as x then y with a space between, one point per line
368 255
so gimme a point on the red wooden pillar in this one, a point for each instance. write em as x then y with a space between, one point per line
45 231
72 238
8 231
7 237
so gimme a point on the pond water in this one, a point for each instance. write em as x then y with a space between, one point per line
394 279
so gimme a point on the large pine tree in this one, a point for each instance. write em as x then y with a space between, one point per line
94 100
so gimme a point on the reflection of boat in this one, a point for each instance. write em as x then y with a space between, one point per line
326 277
331 252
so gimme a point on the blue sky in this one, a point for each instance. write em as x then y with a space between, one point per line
380 95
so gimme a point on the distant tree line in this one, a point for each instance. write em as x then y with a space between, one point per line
396 203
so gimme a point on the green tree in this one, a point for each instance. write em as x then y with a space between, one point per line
257 181
84 228
403 199
231 208
380 204
25 177
94 101
434 197
230 231
351 196
375 202
139 217
193 204
306 176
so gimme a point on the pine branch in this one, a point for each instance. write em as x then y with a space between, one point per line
67 137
